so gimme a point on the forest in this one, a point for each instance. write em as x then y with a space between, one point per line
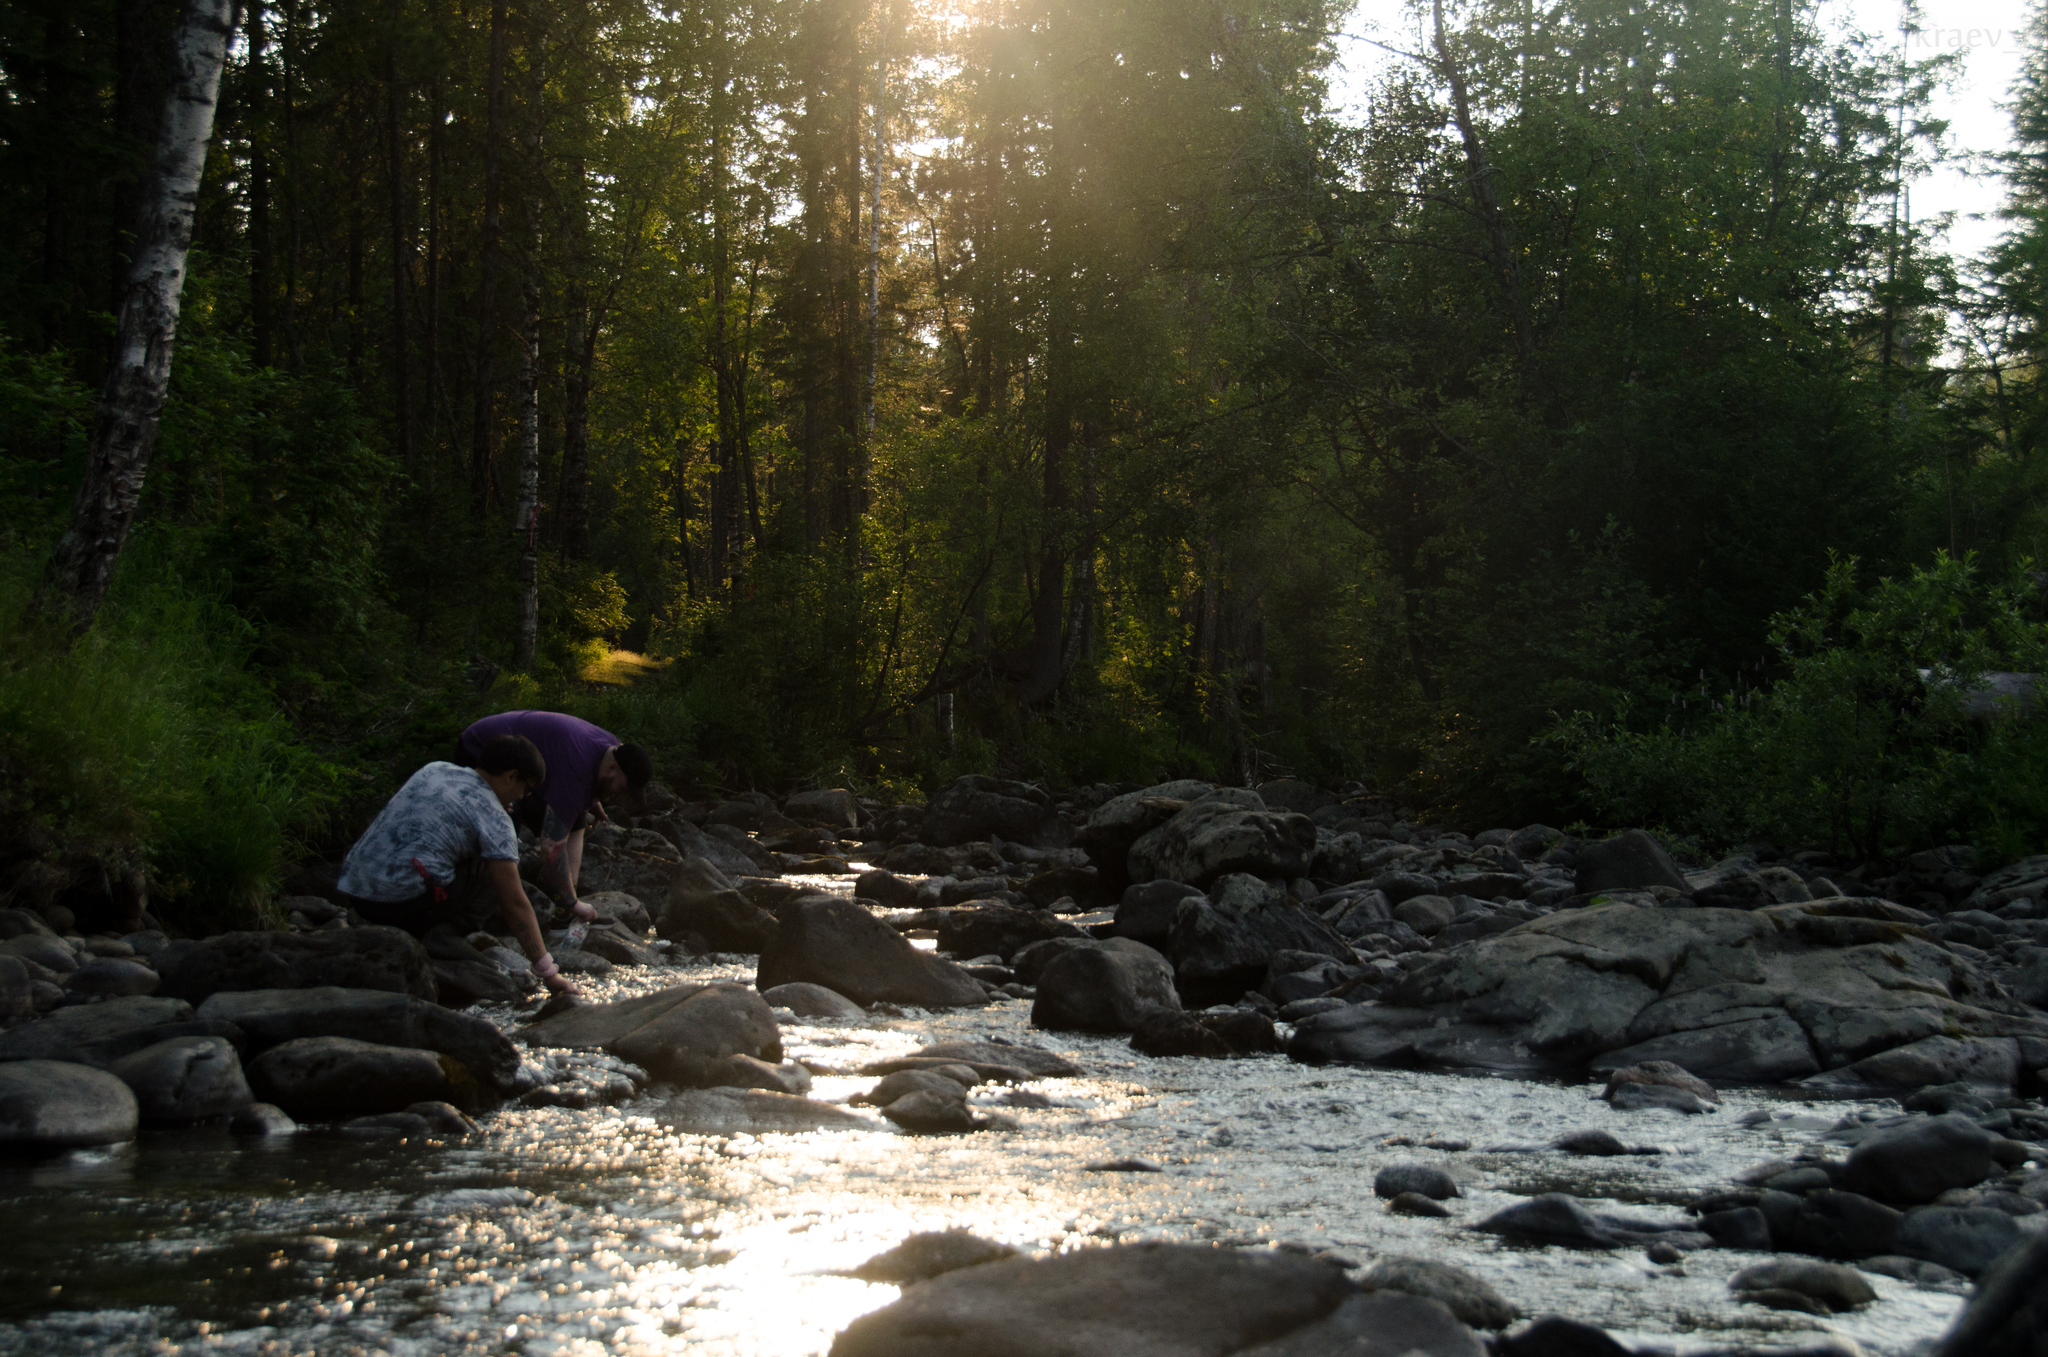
858 393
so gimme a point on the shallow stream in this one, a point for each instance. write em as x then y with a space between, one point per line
586 1232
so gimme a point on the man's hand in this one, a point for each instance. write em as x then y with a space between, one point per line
561 984
584 910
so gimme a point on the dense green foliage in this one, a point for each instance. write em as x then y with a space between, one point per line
1195 428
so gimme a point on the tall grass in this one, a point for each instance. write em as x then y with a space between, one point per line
149 734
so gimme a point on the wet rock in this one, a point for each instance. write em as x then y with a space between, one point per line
983 1056
703 901
330 1078
829 941
1965 1239
1384 1034
1146 911
1555 1336
1629 861
1120 821
682 1035
50 1105
1659 1074
1426 914
627 911
1000 930
834 807
47 950
1916 1271
1081 888
1648 1097
262 1119
1220 833
1464 1295
731 1111
1831 1224
1989 1063
934 1253
17 992
932 1111
1234 1032
1427 1179
111 977
1836 1287
465 975
885 889
1589 1143
614 944
94 1034
1112 986
1763 1046
1555 1218
744 1071
387 1126
1415 1204
272 1017
1380 1324
184 1079
976 808
1113 1302
903 1083
812 1001
1916 1162
372 957
2007 1315
1738 1227
1664 1254
1220 950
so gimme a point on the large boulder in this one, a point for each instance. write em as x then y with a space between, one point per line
975 808
1389 1321
1631 860
355 958
1988 1063
999 929
1917 1161
835 808
2008 1312
692 842
1140 1300
1734 996
833 942
50 1105
1119 822
703 901
1145 914
272 1017
97 1034
185 1079
1224 831
1221 946
1110 986
17 992
332 1078
683 1035
813 1001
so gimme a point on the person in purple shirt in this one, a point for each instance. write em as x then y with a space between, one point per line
586 766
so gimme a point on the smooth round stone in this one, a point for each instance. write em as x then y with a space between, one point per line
185 1079
1424 1179
49 1105
111 978
262 1119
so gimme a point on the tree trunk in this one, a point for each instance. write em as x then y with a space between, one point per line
401 257
480 453
526 518
124 428
574 511
261 267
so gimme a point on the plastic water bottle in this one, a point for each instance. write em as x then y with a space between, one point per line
575 933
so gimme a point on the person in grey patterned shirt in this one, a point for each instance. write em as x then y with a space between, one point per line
443 850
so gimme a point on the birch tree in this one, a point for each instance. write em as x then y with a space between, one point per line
124 427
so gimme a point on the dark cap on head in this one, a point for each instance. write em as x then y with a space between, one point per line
635 764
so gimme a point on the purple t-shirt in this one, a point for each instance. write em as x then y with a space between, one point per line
572 746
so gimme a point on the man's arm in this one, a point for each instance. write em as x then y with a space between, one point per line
572 861
518 913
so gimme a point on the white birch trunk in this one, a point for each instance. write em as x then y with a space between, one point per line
124 427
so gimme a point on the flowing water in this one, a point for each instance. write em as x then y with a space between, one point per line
597 1231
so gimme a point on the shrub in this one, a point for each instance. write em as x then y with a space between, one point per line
1863 742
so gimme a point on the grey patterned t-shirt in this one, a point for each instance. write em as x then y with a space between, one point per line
441 815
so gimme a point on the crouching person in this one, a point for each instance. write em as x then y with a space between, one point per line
443 852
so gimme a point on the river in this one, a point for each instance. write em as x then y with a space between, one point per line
597 1231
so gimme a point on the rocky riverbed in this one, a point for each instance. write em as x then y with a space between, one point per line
1412 1154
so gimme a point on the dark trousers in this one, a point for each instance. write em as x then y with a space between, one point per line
471 903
